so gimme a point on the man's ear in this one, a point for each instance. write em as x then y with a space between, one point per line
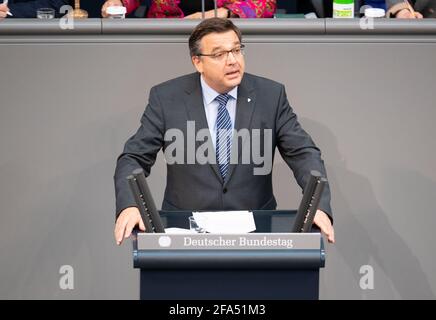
198 64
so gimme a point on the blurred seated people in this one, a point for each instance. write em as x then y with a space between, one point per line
191 9
400 9
27 8
324 8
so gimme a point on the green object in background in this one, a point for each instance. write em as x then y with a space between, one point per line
343 8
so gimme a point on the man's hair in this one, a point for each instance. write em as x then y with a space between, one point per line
208 26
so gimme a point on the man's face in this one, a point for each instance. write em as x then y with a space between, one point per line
223 73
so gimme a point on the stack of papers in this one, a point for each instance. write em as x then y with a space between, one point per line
226 221
178 231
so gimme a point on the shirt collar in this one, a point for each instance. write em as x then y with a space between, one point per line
210 94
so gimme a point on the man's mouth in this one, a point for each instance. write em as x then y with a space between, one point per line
232 73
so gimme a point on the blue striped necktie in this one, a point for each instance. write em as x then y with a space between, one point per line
223 135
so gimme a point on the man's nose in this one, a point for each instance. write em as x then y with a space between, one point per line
230 58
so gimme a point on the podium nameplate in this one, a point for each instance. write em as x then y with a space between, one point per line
248 241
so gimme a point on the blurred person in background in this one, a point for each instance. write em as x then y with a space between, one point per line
27 8
400 9
191 9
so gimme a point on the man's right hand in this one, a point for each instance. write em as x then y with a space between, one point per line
128 219
107 4
3 9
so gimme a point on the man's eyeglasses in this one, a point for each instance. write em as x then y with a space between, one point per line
224 55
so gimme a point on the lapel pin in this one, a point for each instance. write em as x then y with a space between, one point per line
248 99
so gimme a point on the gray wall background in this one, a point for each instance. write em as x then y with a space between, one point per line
67 109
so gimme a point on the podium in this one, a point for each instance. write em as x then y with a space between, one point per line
230 273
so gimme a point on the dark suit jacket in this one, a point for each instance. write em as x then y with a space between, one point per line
200 187
27 8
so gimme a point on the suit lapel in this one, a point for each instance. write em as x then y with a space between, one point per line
195 108
244 112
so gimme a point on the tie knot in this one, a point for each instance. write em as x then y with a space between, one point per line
222 99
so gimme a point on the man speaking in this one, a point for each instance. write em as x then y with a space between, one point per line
234 118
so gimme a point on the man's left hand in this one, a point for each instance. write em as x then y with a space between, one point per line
323 222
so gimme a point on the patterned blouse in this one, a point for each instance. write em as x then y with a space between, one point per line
240 8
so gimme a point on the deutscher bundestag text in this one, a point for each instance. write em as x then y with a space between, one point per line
241 241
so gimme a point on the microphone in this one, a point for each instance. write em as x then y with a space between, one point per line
143 198
309 203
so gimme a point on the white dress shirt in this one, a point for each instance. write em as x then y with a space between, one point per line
211 107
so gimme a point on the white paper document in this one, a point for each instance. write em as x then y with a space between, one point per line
226 221
178 231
